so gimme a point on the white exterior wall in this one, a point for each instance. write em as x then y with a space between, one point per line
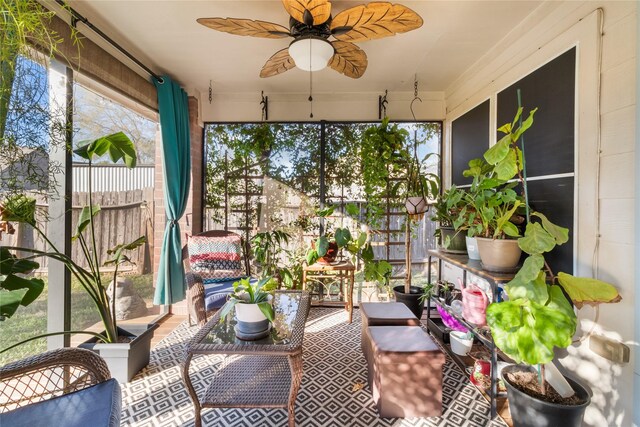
549 31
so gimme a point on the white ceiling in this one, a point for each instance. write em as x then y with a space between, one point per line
164 35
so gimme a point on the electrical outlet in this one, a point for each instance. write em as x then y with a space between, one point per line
609 349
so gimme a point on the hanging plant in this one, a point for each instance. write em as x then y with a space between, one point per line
383 155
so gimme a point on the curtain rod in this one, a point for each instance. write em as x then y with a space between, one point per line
77 17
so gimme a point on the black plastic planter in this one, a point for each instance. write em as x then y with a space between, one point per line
527 411
411 300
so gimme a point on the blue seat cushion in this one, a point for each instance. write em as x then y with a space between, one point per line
215 294
95 406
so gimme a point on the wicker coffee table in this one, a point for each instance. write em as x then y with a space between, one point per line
267 373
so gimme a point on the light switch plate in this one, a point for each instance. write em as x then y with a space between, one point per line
609 349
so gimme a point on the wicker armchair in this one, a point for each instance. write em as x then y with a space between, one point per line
50 385
195 288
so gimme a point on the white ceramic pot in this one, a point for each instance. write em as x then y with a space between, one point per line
472 248
249 313
459 344
415 205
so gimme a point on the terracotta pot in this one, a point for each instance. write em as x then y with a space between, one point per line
331 255
499 255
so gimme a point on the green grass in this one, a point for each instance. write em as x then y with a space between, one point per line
32 320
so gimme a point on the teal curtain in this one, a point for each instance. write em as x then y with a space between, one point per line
176 147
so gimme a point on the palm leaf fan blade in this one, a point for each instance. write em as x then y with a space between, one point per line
310 12
277 64
348 59
373 21
246 27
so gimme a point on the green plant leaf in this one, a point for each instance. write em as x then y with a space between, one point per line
525 124
267 310
352 209
118 145
533 289
226 309
86 214
323 213
510 229
10 301
583 290
555 323
507 168
536 240
367 253
10 264
322 245
560 234
527 331
19 208
33 286
312 256
343 236
498 152
362 238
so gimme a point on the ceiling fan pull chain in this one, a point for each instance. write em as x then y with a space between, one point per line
310 80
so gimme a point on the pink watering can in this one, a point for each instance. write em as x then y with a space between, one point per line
474 304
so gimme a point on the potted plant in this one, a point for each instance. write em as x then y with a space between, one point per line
446 210
252 303
493 207
418 188
359 248
540 316
126 351
268 249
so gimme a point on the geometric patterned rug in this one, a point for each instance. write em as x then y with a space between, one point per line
333 363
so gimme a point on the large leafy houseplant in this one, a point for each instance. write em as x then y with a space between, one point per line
539 314
21 208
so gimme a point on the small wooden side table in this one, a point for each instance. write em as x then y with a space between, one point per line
337 272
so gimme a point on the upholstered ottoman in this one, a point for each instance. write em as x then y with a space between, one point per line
405 373
385 314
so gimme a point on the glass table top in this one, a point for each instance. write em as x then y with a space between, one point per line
285 307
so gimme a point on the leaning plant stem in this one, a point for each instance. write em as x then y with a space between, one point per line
93 230
113 297
95 334
87 254
543 387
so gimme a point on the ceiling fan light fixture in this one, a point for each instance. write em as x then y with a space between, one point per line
311 53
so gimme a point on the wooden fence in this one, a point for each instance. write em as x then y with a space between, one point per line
124 216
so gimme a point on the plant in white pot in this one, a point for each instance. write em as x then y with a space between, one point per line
254 312
132 346
539 316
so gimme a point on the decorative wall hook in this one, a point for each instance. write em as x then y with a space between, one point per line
382 105
265 106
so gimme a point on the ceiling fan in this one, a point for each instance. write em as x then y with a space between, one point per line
311 25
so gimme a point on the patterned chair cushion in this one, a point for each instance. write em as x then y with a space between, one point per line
216 259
